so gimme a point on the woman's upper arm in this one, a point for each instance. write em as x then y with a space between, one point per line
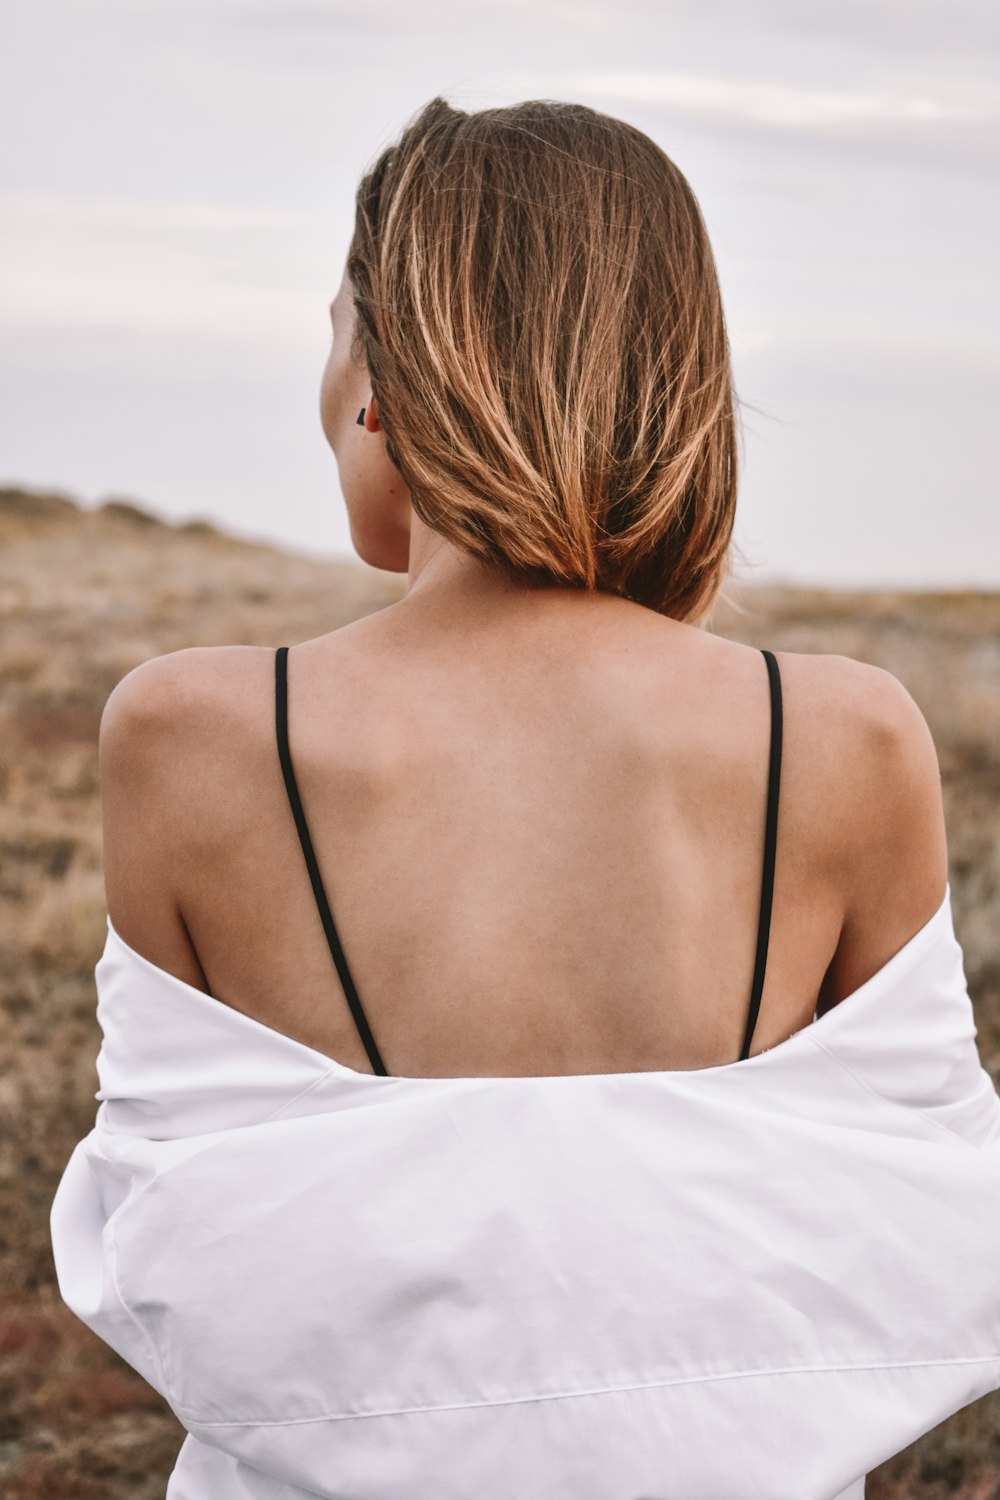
893 850
143 767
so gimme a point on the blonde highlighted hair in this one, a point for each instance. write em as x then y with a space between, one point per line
539 311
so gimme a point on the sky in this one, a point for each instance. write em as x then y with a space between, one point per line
176 200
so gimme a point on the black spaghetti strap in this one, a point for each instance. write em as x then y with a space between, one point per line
770 841
284 755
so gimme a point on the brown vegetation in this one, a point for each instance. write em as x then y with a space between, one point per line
87 595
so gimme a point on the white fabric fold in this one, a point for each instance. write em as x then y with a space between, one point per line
748 1282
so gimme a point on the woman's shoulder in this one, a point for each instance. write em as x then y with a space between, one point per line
861 813
157 689
855 741
177 736
879 797
865 730
856 717
837 692
867 704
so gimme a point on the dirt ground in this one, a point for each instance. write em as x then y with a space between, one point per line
87 595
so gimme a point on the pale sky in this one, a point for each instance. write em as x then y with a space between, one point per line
176 199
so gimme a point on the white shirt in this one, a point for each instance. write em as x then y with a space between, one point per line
756 1281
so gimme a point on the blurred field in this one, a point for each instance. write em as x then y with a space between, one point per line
87 595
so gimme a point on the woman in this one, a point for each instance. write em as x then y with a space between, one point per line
619 1088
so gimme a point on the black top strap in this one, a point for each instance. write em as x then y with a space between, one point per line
326 916
770 842
284 755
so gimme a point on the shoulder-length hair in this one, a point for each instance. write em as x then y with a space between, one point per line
539 311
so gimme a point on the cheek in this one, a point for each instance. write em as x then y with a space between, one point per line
330 399
340 394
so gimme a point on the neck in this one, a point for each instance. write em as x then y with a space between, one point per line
441 573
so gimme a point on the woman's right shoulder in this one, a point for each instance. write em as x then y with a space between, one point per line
865 702
881 803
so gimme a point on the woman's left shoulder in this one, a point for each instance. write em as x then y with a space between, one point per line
171 694
182 739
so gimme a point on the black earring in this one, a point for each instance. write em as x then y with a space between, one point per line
361 417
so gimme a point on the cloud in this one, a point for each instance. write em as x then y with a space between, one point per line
97 216
772 103
168 268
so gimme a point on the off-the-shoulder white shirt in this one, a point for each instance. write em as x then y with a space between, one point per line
755 1281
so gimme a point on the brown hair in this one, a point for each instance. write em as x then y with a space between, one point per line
538 307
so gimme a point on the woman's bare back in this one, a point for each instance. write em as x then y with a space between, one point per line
541 835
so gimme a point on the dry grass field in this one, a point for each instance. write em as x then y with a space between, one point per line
87 595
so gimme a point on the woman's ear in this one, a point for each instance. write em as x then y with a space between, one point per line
372 423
